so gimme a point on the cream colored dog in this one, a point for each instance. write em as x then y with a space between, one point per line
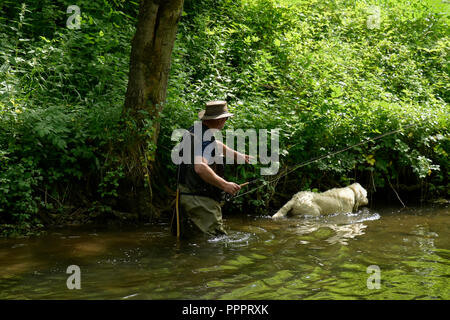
337 200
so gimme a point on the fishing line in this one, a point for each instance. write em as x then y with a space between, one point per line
295 167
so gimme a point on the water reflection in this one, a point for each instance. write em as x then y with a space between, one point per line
334 229
293 258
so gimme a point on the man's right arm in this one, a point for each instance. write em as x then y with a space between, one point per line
209 176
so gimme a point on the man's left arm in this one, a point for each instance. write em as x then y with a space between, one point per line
236 155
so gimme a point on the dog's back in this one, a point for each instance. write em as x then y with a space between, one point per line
337 200
304 203
332 201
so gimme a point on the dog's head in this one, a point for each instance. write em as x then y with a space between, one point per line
360 195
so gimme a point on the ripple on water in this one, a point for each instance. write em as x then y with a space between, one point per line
351 217
235 238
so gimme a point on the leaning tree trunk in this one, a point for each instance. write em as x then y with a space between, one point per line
146 93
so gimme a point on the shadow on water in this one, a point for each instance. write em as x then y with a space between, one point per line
294 258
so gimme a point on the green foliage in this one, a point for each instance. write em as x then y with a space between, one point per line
61 95
327 79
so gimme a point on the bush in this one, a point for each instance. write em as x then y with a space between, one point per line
61 96
316 70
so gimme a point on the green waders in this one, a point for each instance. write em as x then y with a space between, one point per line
202 211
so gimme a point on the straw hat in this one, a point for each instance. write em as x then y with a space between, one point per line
215 110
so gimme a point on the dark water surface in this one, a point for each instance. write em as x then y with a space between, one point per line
295 258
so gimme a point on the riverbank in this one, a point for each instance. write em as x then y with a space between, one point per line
79 217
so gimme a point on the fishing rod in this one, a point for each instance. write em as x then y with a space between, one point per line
295 167
229 196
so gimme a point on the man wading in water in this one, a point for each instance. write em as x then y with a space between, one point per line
201 179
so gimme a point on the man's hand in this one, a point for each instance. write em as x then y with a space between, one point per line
247 158
231 188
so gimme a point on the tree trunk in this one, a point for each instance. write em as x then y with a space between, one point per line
150 60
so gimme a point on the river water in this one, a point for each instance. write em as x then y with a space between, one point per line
334 257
